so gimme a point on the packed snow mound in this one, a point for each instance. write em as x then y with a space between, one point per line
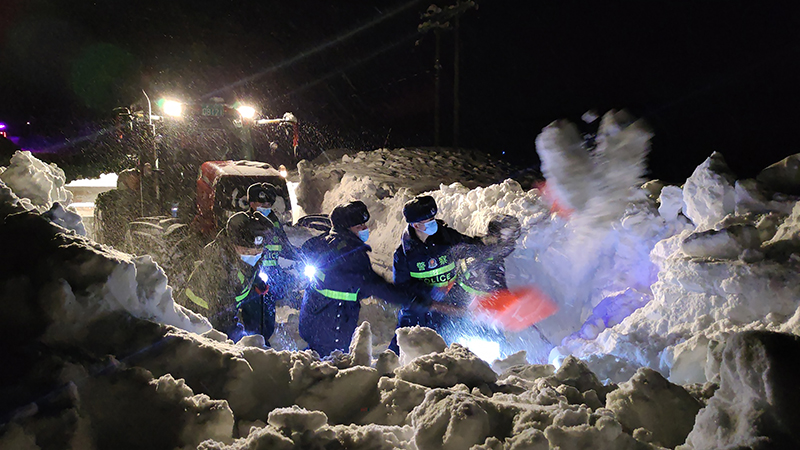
58 283
55 283
415 169
708 195
756 404
784 239
40 183
40 187
649 402
733 269
783 176
65 218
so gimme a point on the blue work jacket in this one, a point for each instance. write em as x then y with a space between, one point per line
343 276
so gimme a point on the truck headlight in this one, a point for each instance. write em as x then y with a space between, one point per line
247 112
172 108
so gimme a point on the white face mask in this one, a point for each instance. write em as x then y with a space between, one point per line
250 259
431 227
364 234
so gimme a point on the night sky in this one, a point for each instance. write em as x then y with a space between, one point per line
707 75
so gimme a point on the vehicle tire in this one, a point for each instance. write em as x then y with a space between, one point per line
113 211
171 243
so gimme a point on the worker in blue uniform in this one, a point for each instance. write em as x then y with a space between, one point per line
427 259
338 265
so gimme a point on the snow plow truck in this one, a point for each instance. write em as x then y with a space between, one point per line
193 164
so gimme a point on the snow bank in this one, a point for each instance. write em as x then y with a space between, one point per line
40 183
56 283
102 361
102 358
732 271
756 404
40 187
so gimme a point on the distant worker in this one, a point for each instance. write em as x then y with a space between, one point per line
259 240
239 277
216 279
341 275
426 258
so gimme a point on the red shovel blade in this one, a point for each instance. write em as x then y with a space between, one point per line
557 207
514 309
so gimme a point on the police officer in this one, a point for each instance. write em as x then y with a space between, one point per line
426 257
259 239
216 280
341 275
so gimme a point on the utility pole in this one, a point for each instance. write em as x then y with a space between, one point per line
456 64
437 28
437 102
438 19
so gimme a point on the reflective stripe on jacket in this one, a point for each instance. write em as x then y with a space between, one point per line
431 262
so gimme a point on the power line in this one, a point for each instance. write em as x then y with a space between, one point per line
317 49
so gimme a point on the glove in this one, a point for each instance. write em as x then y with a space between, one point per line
260 286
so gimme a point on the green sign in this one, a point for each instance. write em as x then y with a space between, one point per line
214 109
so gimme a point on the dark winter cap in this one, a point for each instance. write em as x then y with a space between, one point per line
246 232
504 226
349 215
261 193
419 209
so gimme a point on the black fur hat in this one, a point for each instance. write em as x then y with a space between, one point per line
246 233
349 215
261 193
504 227
419 209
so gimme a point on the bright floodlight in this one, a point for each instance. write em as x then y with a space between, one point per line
483 349
2 126
282 170
310 271
172 108
247 112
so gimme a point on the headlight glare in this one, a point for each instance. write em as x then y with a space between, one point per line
247 112
172 108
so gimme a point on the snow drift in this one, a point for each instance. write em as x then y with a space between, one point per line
668 301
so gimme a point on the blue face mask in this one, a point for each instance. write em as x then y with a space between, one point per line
264 211
364 234
431 227
250 260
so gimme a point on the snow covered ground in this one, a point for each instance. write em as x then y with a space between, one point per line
677 326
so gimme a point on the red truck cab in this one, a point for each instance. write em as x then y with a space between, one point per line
222 192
